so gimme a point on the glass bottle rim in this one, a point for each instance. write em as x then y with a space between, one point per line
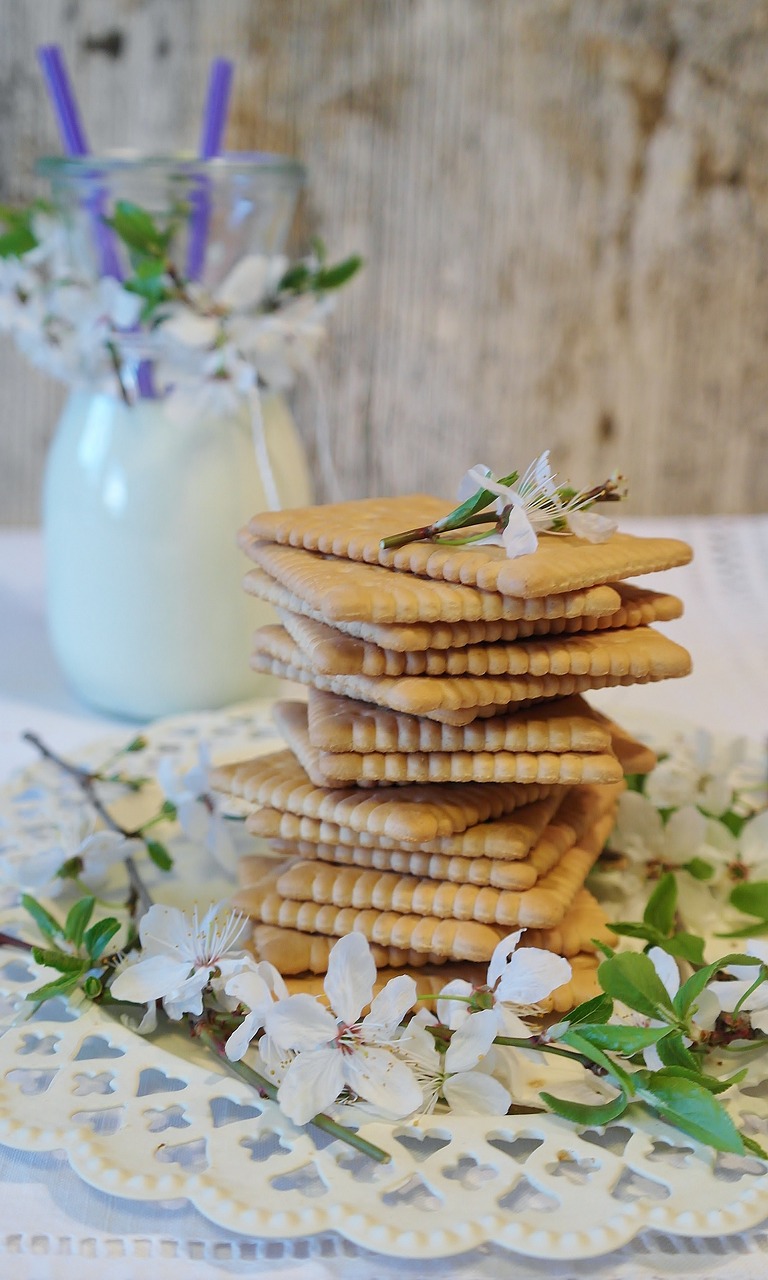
183 164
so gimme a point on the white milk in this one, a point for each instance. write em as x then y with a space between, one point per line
147 613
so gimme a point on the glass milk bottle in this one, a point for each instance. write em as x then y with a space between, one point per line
141 509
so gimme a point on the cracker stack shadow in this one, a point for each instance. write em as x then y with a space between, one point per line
447 783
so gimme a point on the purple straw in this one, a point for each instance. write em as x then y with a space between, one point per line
76 144
216 107
63 99
211 138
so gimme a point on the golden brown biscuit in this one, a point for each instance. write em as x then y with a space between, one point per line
639 607
353 530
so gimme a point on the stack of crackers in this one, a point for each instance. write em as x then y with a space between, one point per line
446 783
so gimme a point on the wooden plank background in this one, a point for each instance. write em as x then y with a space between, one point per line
562 204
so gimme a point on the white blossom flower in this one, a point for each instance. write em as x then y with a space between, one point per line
733 993
180 957
257 989
30 861
336 1049
697 772
533 504
198 808
462 1074
518 979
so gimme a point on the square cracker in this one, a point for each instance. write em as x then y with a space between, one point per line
509 837
341 589
334 653
411 814
582 929
579 812
631 656
346 724
543 905
332 769
288 948
353 530
639 607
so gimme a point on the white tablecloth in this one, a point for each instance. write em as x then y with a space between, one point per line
53 1226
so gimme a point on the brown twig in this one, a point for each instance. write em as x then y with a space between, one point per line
86 780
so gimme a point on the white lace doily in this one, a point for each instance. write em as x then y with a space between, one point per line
160 1120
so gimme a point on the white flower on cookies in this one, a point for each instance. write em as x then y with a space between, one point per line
337 1049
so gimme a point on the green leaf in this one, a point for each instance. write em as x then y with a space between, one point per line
59 960
699 869
334 277
673 1053
752 898
690 1107
582 1114
598 1009
71 869
99 935
62 986
296 278
636 782
159 855
77 920
735 822
46 923
138 229
692 988
140 742
16 242
632 979
628 929
588 1050
685 946
712 1083
660 908
92 988
751 1145
622 1039
753 930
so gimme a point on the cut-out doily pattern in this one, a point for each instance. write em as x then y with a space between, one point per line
159 1120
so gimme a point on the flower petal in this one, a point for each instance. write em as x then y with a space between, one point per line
150 979
473 480
473 1093
666 967
350 978
390 1006
472 1040
519 536
531 975
383 1080
501 956
246 283
311 1084
590 526
453 1012
300 1023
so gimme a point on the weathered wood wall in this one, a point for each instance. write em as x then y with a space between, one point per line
563 205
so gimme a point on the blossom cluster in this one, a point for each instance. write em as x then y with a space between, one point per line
318 1051
659 1032
702 815
210 350
518 508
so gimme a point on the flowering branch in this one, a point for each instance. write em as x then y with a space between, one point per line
269 1090
258 329
643 1041
522 507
